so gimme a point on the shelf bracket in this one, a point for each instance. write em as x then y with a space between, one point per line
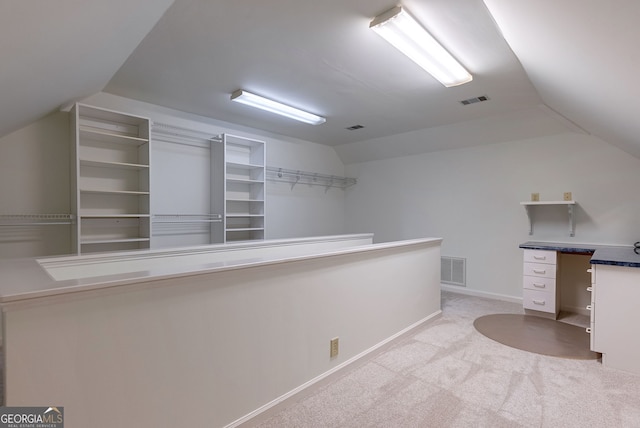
297 179
527 208
572 226
328 186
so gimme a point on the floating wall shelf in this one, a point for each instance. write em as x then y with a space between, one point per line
570 208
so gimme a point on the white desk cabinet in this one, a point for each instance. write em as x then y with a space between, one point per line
615 316
539 282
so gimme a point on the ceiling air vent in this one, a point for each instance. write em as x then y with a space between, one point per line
354 127
474 100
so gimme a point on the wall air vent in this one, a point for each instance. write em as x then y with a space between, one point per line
354 127
474 100
453 270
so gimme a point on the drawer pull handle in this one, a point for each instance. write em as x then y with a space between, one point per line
588 329
540 257
589 288
540 272
539 302
589 307
539 285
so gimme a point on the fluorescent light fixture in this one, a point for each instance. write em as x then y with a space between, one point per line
400 29
254 100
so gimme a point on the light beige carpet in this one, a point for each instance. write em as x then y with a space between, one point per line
535 334
446 374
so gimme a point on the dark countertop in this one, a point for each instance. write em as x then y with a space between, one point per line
601 254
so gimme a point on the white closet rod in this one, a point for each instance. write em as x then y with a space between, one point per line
35 219
313 178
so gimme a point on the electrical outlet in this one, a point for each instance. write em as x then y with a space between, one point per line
334 347
567 196
535 197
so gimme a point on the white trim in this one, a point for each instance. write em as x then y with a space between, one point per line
326 374
478 293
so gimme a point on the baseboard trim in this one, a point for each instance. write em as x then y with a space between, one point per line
328 373
478 293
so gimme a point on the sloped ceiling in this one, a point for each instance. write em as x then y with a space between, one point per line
582 57
53 52
321 56
546 66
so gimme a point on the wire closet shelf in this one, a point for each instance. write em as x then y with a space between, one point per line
36 219
294 177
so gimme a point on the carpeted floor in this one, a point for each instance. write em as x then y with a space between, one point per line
446 374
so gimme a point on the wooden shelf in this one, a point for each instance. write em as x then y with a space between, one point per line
244 181
246 166
570 208
108 137
113 165
112 241
115 192
548 203
114 216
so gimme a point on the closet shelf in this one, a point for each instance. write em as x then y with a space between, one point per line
115 192
244 200
114 215
312 178
247 166
113 165
35 219
186 218
109 137
112 241
243 215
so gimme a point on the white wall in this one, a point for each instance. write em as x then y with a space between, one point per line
213 346
471 198
34 178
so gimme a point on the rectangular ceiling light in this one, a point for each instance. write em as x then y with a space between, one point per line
253 100
400 29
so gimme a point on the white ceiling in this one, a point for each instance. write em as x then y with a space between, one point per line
572 59
53 52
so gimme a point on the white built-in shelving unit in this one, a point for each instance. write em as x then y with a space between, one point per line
244 188
110 180
207 188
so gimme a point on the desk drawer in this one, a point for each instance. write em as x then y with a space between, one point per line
542 301
539 269
539 283
540 256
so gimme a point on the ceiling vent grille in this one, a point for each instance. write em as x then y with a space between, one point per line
354 127
453 270
474 100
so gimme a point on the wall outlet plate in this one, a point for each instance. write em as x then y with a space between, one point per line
535 197
334 347
567 196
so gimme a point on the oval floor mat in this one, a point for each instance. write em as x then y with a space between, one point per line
536 334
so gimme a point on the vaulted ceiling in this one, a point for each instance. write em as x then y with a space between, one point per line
546 66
